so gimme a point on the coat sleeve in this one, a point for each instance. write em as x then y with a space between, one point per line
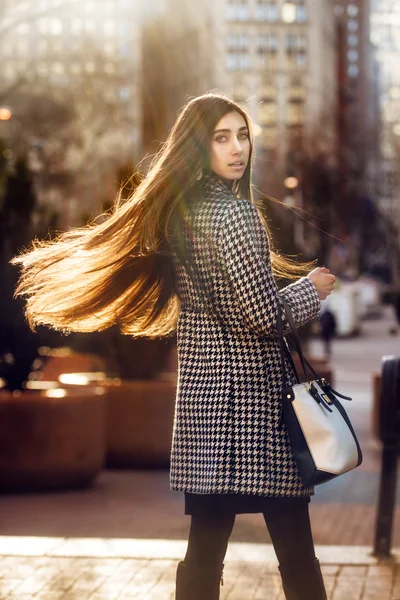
247 270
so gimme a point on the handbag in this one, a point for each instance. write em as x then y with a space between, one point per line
321 435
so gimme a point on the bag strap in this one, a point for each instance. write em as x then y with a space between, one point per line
284 350
297 344
297 347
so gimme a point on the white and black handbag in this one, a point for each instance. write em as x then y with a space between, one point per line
323 440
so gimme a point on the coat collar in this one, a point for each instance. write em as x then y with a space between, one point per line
214 188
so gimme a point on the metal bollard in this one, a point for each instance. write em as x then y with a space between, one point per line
389 434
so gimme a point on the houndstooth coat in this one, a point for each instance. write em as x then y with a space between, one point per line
226 437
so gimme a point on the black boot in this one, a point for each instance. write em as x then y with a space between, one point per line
303 581
198 583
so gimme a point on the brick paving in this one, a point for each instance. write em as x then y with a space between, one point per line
88 578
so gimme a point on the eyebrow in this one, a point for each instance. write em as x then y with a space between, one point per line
229 130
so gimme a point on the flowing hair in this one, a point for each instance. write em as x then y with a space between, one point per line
120 271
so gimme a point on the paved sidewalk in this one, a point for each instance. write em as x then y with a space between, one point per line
106 569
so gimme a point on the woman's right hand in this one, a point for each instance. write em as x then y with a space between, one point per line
323 280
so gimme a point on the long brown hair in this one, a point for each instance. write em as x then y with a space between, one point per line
120 271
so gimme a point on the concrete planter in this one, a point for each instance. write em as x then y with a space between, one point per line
70 362
139 422
52 440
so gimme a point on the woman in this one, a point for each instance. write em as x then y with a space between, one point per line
190 250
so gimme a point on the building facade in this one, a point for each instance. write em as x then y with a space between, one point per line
385 35
277 58
280 58
82 58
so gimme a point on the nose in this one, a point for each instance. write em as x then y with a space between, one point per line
236 146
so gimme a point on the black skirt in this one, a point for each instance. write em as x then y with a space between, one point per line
205 504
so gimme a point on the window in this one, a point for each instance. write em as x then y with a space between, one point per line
267 91
295 42
295 113
352 25
267 41
296 51
238 46
237 10
288 12
267 50
238 61
353 70
239 92
296 92
124 49
301 14
124 93
294 11
265 10
352 55
352 40
268 113
352 10
268 138
238 41
268 106
296 103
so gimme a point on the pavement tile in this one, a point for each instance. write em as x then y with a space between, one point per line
7 585
48 595
13 596
106 595
77 595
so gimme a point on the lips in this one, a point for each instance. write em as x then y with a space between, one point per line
236 165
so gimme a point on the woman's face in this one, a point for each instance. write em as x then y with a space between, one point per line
230 147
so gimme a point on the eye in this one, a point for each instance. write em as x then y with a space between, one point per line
220 138
243 136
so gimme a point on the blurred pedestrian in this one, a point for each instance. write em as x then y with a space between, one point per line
327 324
191 250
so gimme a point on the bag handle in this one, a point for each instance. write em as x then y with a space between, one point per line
297 347
297 344
284 350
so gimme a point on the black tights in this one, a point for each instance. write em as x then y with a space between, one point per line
289 528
